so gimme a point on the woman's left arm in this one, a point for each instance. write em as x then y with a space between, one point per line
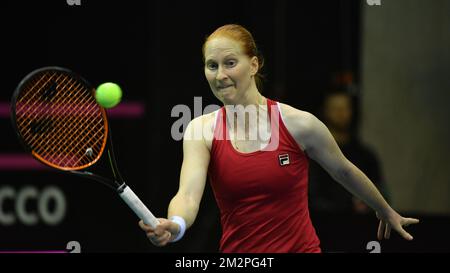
316 140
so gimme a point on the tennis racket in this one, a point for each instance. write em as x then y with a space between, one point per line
58 120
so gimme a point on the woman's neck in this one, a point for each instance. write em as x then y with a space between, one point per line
251 97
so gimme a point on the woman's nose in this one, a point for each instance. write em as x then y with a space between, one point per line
221 75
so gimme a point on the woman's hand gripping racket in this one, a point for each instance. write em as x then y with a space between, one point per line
57 118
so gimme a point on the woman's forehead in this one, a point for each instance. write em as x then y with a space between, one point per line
221 46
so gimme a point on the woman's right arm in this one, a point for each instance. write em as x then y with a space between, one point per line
193 175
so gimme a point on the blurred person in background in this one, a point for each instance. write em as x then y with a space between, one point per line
338 114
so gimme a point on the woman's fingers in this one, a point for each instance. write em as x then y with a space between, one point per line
410 221
163 227
381 227
406 222
384 228
396 222
162 233
160 240
159 235
145 227
387 231
404 234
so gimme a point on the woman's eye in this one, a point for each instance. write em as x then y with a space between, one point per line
231 63
211 66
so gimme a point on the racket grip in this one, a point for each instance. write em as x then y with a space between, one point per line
137 206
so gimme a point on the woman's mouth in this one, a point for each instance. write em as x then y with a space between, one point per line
221 87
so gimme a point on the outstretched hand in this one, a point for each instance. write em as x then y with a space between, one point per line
394 221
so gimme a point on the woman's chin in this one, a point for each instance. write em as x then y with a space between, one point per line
227 96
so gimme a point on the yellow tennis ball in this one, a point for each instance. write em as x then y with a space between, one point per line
108 94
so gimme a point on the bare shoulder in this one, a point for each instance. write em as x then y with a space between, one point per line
201 129
297 119
299 123
209 119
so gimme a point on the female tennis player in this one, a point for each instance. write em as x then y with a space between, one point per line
260 184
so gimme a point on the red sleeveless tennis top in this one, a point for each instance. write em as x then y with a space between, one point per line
263 195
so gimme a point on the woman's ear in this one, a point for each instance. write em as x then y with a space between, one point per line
254 65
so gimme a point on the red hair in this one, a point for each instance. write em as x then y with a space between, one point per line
241 35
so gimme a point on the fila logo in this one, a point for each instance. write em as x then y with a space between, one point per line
283 159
